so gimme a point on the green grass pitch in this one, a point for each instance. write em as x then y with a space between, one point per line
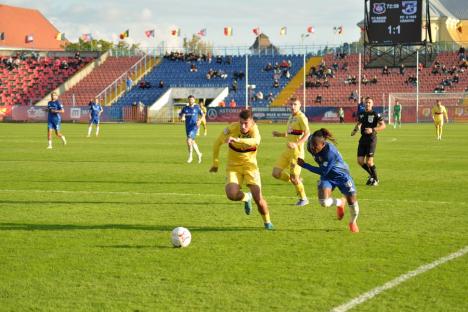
86 227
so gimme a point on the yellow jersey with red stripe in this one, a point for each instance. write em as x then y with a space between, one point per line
438 113
240 153
298 125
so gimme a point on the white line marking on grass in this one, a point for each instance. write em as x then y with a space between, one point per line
395 282
215 195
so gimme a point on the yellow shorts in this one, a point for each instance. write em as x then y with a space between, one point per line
438 122
288 160
240 174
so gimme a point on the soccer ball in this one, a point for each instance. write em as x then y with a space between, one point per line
181 237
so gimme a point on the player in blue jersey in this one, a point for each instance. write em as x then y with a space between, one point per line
54 120
192 115
334 172
95 111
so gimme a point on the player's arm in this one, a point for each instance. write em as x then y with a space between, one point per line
308 166
182 114
254 141
445 114
216 147
60 110
201 115
380 125
357 127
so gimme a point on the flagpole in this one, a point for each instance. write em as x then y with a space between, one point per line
304 80
246 81
417 86
359 79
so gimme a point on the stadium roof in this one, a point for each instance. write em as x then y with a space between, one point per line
457 9
27 29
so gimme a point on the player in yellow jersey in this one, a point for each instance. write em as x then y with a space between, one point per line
286 168
438 113
243 139
201 103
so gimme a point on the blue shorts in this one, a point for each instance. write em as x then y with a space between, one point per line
54 124
94 120
345 184
191 133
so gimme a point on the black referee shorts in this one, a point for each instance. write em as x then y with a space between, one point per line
367 146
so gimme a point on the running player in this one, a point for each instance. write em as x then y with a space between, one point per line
439 112
243 139
334 172
369 123
192 116
95 111
54 120
286 168
201 103
397 115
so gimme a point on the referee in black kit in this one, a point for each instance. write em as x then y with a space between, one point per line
369 123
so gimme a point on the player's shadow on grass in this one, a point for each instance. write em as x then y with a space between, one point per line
95 202
153 182
132 227
135 246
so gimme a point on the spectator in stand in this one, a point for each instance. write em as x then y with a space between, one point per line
64 65
461 53
268 67
420 67
286 73
284 64
259 95
364 79
436 70
464 63
453 70
276 66
161 84
232 104
439 89
129 83
345 66
354 80
276 83
17 62
228 60
374 80
326 83
270 98
402 69
193 68
234 85
456 78
411 80
354 95
385 70
348 79
219 59
335 66
222 104
447 82
318 99
444 69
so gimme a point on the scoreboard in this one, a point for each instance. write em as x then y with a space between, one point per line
394 21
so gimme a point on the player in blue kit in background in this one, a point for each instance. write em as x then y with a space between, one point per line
54 120
192 115
334 172
95 111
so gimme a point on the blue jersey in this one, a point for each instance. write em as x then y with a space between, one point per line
333 171
192 114
54 105
94 110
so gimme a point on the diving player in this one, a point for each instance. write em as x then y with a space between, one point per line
334 172
192 115
243 139
286 168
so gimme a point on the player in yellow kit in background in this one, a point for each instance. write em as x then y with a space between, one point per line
243 139
286 168
438 113
201 103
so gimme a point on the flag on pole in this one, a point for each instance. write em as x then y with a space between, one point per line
202 33
175 32
86 37
311 29
257 31
149 33
29 38
283 31
338 30
2 36
228 31
304 36
60 36
124 35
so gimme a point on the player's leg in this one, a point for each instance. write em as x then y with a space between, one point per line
326 200
97 127
49 137
279 171
436 124
348 189
195 147
90 128
190 149
205 132
262 205
234 181
373 169
354 211
441 126
296 180
363 149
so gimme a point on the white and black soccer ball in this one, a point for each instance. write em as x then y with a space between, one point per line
181 237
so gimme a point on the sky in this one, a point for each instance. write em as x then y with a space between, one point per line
106 19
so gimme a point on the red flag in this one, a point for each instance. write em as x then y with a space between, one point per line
311 29
257 31
149 33
228 31
175 32
202 33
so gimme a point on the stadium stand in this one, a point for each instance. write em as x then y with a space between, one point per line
222 71
24 80
88 88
